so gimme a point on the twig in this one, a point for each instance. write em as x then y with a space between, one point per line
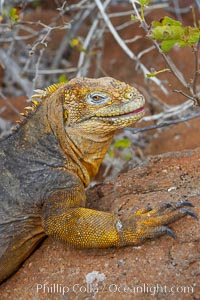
184 94
79 5
50 72
196 67
99 54
87 41
132 40
14 72
36 71
78 20
9 103
124 25
125 48
48 27
198 3
12 37
169 62
1 6
145 51
18 38
170 111
172 66
127 13
177 10
164 124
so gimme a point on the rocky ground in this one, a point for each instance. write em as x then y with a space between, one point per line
163 268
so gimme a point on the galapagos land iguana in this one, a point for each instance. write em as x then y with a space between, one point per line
50 159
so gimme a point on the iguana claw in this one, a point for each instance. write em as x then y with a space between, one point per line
170 233
190 213
185 203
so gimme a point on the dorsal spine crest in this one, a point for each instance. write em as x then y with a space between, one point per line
36 100
52 88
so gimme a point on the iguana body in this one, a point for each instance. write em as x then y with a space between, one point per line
47 163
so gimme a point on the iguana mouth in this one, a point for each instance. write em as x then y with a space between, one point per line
138 110
126 114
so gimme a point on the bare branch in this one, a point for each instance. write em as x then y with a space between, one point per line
129 12
9 103
170 111
164 124
184 94
132 40
14 71
168 60
124 25
196 68
50 72
145 51
78 20
87 42
36 72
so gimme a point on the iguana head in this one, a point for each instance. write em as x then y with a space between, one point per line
82 116
103 103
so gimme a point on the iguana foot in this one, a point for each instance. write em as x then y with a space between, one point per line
151 222
87 228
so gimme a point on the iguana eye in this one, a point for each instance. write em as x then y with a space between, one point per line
97 98
128 95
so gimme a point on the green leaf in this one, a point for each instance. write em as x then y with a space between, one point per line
166 32
14 14
62 78
157 72
169 21
166 21
111 153
144 2
168 45
123 143
171 32
192 34
127 156
134 18
74 42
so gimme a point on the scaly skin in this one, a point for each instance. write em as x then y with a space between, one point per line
47 163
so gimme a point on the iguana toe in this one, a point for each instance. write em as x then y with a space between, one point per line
148 223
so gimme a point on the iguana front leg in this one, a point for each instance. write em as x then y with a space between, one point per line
86 228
